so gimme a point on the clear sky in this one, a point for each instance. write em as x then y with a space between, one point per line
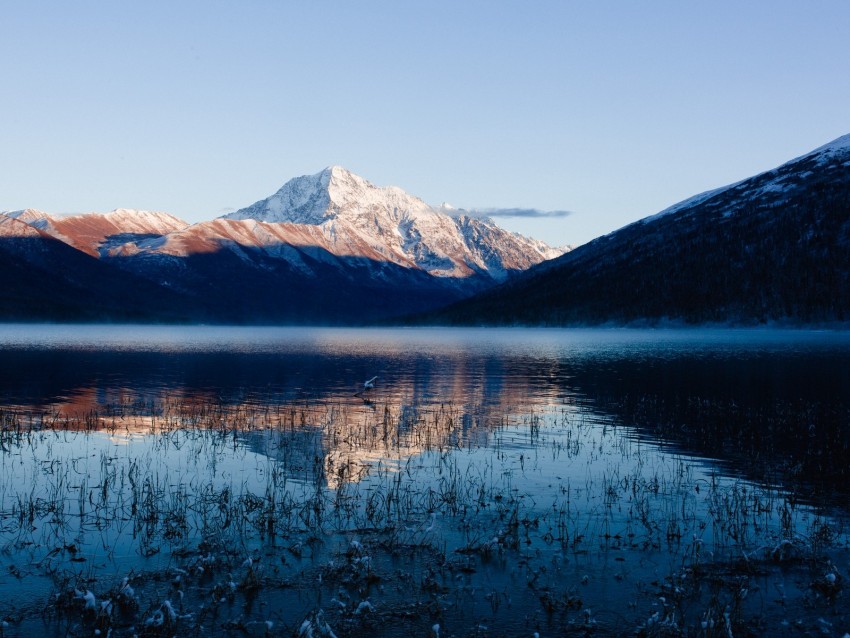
611 110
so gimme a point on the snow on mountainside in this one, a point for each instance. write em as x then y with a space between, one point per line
331 216
30 216
348 216
840 146
777 181
96 233
247 239
11 227
20 235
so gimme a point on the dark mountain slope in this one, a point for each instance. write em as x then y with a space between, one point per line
775 247
251 286
46 279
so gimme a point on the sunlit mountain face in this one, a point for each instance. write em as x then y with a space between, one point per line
98 233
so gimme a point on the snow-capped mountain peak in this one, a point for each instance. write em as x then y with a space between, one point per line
345 188
343 182
301 200
314 199
357 218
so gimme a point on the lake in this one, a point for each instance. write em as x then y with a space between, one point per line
160 480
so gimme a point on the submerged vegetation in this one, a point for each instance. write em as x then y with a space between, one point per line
161 517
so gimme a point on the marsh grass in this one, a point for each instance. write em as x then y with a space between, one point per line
157 518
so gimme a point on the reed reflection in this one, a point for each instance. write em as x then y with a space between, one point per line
773 410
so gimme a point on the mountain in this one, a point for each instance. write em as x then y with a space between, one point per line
97 233
771 248
326 248
347 215
46 279
331 248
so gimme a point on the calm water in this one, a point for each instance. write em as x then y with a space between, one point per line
722 394
530 476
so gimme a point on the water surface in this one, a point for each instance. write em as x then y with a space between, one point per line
513 478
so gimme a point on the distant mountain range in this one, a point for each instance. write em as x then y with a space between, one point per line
332 248
771 248
328 248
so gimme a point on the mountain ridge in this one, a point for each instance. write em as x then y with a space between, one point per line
89 232
774 247
328 236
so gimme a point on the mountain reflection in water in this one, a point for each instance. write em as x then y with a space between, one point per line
765 404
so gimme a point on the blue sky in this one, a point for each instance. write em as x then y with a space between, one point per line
611 110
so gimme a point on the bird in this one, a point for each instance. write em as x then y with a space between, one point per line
367 385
